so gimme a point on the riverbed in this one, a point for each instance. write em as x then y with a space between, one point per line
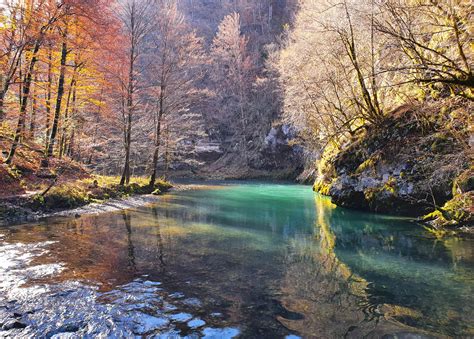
234 260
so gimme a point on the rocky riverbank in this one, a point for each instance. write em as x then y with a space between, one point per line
419 163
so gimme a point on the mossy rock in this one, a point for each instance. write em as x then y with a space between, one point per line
383 198
156 192
369 164
322 187
464 182
455 212
163 185
443 142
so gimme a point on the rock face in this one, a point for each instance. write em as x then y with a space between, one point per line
208 151
400 168
278 153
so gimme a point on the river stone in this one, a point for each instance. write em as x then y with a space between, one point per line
220 333
196 323
181 317
146 323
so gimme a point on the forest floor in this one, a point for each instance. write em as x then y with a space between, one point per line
29 191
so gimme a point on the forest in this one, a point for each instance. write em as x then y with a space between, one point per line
314 90
236 168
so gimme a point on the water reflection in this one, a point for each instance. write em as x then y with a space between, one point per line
255 260
333 298
162 265
429 285
131 249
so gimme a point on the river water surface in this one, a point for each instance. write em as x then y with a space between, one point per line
242 260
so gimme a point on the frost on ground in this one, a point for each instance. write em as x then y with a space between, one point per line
73 309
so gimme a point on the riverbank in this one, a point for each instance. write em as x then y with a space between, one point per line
86 196
418 164
33 186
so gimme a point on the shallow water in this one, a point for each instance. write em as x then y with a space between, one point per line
248 260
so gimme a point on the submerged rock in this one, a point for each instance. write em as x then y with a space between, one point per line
196 323
222 333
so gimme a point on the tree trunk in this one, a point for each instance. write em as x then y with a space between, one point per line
68 146
67 117
128 128
24 102
2 98
167 151
5 86
34 108
157 139
125 180
48 99
59 98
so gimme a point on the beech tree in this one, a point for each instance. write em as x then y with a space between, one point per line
45 20
176 58
233 73
335 89
136 19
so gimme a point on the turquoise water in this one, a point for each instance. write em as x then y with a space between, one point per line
246 259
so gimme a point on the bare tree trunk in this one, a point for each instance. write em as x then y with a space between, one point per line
157 137
3 91
34 108
48 98
7 80
94 138
65 124
130 91
167 151
373 110
24 103
125 180
59 98
137 24
68 146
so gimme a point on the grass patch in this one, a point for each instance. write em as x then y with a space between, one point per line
97 188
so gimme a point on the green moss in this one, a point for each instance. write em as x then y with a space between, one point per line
62 197
455 212
391 186
95 189
163 185
464 182
370 194
442 143
138 185
376 195
369 164
322 187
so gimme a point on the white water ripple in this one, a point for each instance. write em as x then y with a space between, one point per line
73 309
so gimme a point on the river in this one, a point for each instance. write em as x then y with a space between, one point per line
246 260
